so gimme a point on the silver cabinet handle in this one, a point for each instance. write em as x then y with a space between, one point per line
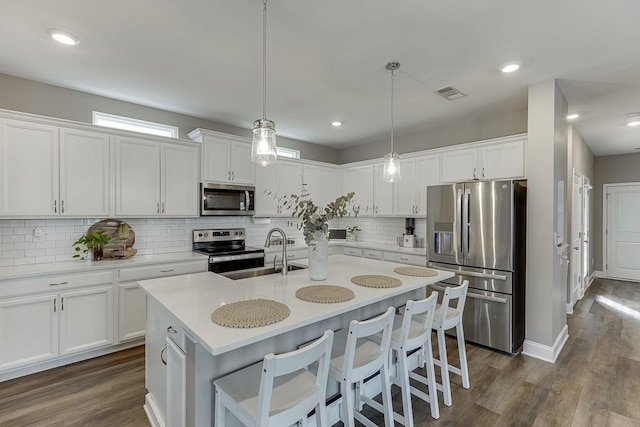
171 330
487 298
472 273
61 303
474 173
233 176
62 206
483 172
54 304
162 207
576 248
166 271
164 362
404 259
58 284
229 175
158 207
55 206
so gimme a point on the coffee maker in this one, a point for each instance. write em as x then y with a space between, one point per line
409 239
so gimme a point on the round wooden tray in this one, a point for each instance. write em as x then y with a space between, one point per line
251 313
325 294
376 281
416 271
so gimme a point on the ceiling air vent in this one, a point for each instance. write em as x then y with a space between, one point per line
450 93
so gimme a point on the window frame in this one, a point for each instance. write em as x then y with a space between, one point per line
126 123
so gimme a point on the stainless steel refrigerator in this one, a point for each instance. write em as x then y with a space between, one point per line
477 229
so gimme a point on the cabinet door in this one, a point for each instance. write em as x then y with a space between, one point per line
405 194
216 153
28 169
329 186
84 173
289 181
313 181
179 175
137 177
131 312
504 160
383 193
365 190
176 385
461 165
242 170
86 319
28 330
266 183
428 173
350 183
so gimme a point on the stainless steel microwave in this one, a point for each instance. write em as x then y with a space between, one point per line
224 199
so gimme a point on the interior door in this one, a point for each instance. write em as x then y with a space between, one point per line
623 232
487 227
586 231
575 283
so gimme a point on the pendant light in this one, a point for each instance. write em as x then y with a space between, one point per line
263 146
391 170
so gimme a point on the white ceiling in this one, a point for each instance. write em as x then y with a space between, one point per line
326 60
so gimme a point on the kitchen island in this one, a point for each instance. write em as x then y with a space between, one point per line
198 351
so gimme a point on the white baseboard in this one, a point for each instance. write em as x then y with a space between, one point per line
598 275
153 414
544 352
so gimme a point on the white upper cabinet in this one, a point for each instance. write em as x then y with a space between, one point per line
313 182
330 191
29 159
493 160
85 173
359 179
51 171
154 178
411 190
225 158
383 193
278 179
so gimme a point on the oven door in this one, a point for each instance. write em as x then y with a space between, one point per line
222 199
225 263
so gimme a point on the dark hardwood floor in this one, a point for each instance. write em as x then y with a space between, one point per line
595 381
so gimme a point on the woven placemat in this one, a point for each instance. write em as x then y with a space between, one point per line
376 281
326 294
250 313
416 271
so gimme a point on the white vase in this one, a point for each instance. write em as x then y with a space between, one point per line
319 257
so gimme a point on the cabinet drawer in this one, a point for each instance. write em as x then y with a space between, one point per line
291 255
353 251
406 258
162 270
336 250
370 253
54 283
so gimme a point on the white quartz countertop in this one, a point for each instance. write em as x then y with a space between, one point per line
74 266
192 298
355 244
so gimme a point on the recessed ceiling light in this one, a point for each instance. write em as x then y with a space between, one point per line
63 37
336 123
573 116
510 68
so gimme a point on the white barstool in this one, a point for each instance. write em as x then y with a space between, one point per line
411 332
279 391
447 317
355 359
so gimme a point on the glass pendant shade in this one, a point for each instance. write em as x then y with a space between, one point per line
391 169
263 146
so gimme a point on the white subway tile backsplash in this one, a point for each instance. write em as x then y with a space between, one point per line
45 259
23 261
6 262
26 245
13 223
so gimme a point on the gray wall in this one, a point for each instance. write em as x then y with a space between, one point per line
610 170
53 101
546 176
477 128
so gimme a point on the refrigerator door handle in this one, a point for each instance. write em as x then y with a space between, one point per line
467 222
474 295
460 220
469 273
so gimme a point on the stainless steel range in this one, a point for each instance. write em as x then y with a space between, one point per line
227 250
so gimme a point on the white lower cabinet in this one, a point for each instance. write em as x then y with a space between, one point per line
420 260
176 385
39 327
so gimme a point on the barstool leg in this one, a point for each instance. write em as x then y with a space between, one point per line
405 388
444 367
431 379
462 351
348 403
321 416
387 403
220 410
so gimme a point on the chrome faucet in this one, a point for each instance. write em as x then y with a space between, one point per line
267 243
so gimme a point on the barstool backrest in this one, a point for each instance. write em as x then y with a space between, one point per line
417 312
274 366
353 368
451 294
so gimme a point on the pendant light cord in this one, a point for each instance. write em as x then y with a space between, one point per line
392 70
264 60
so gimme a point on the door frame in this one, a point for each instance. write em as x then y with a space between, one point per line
605 221
574 284
587 194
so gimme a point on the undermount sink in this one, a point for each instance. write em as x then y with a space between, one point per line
256 272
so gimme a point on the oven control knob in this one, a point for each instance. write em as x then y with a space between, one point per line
240 233
206 234
199 234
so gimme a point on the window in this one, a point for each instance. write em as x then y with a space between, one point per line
135 125
287 152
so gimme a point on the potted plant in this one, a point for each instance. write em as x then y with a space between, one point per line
352 231
93 242
314 223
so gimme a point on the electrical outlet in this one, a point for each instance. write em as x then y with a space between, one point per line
37 234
